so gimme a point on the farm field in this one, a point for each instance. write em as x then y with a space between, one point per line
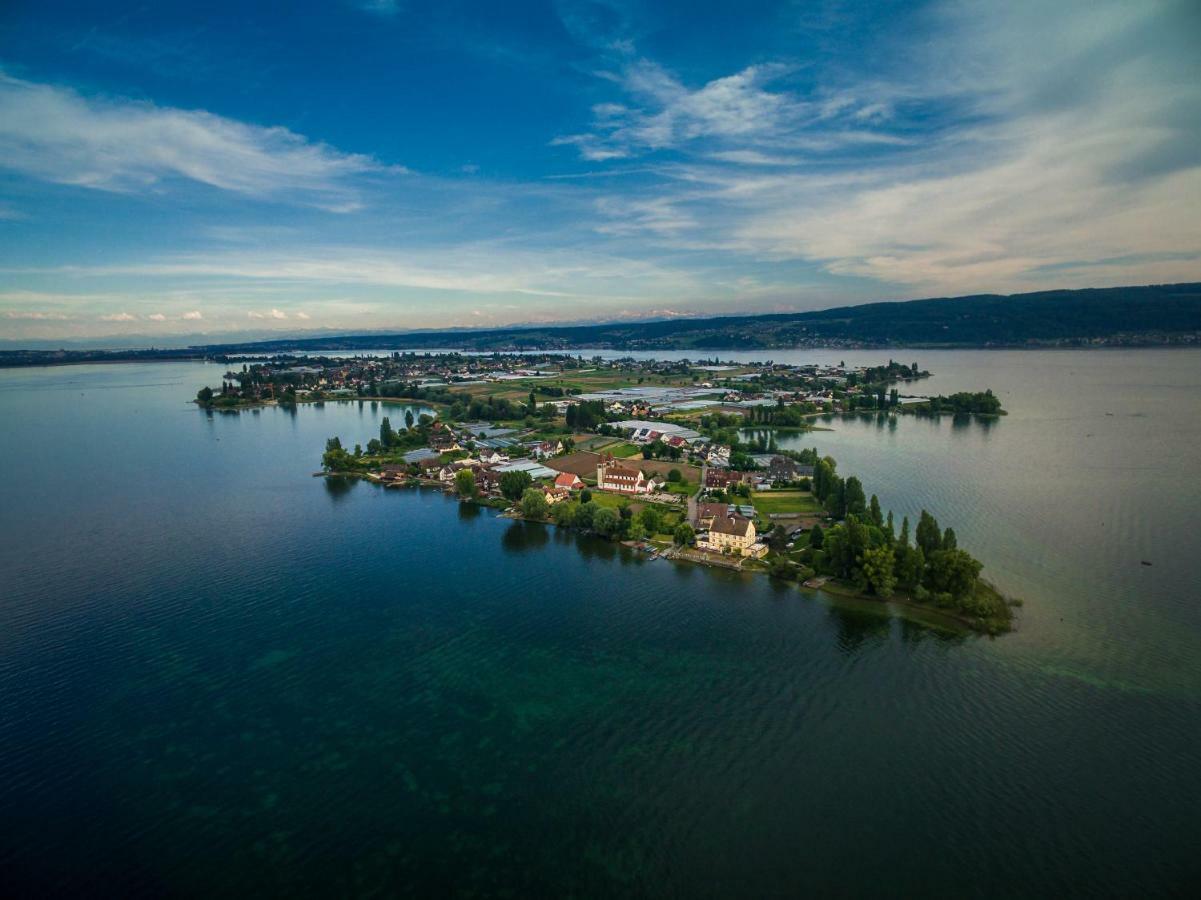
784 502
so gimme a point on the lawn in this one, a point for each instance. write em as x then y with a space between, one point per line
784 502
623 450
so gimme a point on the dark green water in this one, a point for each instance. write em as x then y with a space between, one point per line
219 675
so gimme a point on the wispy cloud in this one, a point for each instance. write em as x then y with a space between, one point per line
117 144
747 109
1050 182
994 147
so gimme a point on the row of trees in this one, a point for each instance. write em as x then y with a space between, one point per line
865 551
586 415
980 402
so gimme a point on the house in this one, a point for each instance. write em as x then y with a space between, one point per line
487 481
544 449
723 478
444 440
556 495
491 457
707 512
781 468
732 534
430 467
393 473
447 473
611 476
568 481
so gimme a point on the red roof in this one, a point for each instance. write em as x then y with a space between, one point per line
618 473
567 480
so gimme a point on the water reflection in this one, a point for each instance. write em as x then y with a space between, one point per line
856 628
913 633
469 510
338 486
521 536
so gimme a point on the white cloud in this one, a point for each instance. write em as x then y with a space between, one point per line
278 314
301 315
59 135
193 316
658 215
1055 183
118 317
462 270
35 316
670 114
157 317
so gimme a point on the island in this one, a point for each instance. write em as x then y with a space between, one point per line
675 458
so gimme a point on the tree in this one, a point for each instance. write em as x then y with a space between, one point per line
856 502
533 503
928 536
878 564
778 538
684 535
585 513
910 564
335 458
513 484
816 537
953 572
836 501
652 519
675 476
409 419
564 514
465 483
387 436
781 568
949 541
205 395
637 531
874 514
606 522
585 496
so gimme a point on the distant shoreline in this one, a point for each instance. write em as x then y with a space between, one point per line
120 357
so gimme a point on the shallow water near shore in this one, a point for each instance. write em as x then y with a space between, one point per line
220 675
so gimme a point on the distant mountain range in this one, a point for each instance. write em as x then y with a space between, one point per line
1154 315
1122 316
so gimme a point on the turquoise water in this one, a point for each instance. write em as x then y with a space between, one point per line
221 675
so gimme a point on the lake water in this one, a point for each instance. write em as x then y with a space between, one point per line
219 675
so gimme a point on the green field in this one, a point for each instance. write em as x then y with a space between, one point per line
783 502
623 450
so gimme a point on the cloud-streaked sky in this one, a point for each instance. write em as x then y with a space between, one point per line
362 165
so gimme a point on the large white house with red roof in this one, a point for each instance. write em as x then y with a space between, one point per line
613 476
569 481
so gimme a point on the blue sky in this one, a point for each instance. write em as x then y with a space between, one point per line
363 165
